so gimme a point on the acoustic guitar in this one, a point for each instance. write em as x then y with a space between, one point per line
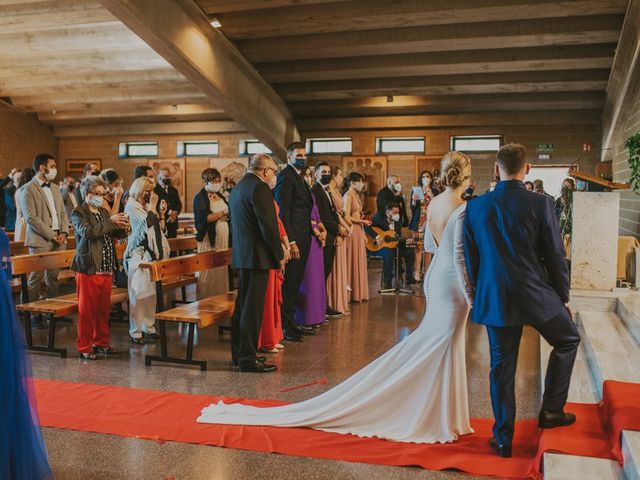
390 239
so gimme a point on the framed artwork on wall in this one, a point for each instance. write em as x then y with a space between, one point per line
428 162
230 168
374 169
177 168
75 167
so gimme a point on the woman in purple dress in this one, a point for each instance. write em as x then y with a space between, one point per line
312 297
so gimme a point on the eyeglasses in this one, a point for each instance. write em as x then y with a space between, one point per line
272 169
99 194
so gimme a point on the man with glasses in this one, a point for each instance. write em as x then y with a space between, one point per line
295 202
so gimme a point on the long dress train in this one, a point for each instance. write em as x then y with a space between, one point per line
415 392
22 451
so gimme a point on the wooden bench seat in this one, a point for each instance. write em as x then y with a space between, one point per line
202 313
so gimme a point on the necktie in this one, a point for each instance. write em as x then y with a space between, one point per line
46 185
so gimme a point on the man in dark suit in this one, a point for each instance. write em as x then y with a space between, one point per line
169 194
329 217
294 199
256 250
391 220
516 263
392 193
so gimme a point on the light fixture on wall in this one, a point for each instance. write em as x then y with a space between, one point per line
389 98
174 108
215 23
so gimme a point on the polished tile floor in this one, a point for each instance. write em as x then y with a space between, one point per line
342 347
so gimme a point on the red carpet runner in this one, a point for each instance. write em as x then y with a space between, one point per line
171 416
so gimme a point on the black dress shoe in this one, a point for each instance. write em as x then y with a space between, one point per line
304 330
548 419
411 281
150 336
260 359
502 450
258 367
331 313
293 338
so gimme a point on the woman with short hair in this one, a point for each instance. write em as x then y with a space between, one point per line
147 242
211 215
94 264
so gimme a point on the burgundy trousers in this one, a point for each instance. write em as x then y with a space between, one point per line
94 304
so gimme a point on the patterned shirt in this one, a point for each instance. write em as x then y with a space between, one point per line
108 249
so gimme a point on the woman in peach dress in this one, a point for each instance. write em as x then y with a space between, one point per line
356 243
338 282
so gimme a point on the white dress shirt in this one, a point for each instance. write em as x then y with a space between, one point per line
55 224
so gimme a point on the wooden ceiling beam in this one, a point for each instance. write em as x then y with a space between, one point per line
412 105
60 101
380 14
439 38
182 34
51 15
129 129
489 119
165 101
564 57
213 7
129 112
534 81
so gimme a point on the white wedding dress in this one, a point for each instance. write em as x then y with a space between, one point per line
415 392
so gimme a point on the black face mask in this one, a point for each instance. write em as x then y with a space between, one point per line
325 179
166 182
299 163
71 187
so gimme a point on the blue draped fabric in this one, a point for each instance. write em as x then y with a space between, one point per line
22 452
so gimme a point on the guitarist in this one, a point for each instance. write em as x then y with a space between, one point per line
390 219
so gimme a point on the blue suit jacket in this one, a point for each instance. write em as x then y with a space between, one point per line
515 257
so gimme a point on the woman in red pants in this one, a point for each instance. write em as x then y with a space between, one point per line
271 328
94 263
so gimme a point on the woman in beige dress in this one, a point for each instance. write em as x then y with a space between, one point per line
338 283
211 214
356 242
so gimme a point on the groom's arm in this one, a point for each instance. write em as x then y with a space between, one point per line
553 254
471 254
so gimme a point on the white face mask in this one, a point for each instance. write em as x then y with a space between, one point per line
358 186
96 201
395 217
53 173
397 187
272 182
213 187
426 181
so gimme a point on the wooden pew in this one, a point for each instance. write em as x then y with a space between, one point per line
202 313
52 308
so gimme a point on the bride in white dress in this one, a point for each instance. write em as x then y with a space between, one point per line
417 391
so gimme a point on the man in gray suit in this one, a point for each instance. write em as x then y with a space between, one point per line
47 224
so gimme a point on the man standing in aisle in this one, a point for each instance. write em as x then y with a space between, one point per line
47 225
294 199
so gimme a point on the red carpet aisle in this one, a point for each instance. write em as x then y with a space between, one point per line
171 416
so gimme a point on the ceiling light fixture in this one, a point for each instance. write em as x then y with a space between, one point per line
215 23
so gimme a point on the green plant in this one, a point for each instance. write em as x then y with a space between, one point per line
633 152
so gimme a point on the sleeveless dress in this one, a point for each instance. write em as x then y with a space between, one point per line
357 277
215 280
338 281
22 451
415 392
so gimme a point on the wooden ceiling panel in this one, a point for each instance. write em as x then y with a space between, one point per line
382 14
214 7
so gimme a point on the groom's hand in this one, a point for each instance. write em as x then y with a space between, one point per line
566 305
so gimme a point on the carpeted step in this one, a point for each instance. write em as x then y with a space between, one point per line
570 467
631 454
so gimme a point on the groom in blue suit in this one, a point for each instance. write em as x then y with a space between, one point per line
516 262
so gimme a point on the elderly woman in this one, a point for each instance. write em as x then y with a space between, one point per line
94 263
211 214
147 242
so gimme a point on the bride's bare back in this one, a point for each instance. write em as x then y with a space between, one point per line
440 210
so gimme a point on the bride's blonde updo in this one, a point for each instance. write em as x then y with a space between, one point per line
455 168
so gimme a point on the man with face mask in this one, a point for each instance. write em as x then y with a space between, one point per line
392 193
47 225
295 202
329 217
169 194
391 220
